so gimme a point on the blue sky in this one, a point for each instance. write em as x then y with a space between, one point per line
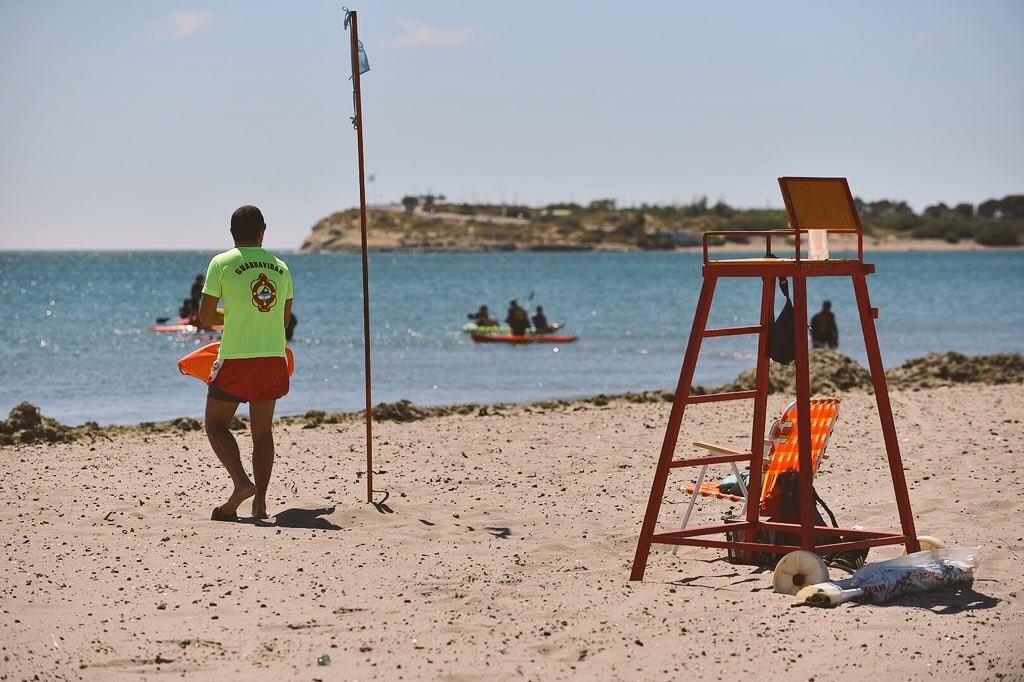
133 125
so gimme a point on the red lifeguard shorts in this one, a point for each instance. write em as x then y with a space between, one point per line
249 380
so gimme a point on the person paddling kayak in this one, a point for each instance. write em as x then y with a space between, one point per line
541 324
482 317
518 319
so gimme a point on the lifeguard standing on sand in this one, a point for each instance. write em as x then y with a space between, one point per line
256 288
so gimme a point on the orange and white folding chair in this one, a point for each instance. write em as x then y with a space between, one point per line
782 453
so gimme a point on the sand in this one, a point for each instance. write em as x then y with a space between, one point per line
502 551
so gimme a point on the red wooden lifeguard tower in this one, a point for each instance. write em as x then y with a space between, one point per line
813 204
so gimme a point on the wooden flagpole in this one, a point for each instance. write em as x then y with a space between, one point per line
357 122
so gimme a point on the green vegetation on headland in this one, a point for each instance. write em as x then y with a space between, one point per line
831 373
429 223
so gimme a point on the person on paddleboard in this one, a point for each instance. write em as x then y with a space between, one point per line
518 319
251 365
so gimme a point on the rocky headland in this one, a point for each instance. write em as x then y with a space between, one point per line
602 226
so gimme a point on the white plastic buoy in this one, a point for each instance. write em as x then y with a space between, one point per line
797 570
928 542
826 594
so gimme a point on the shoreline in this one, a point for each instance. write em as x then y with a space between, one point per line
830 372
887 244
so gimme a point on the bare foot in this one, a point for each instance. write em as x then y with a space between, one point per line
241 494
259 509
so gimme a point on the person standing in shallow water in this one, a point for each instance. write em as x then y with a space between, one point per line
824 333
196 296
252 365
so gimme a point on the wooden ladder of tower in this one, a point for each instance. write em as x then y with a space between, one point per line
812 204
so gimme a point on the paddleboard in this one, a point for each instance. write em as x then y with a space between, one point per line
186 325
184 328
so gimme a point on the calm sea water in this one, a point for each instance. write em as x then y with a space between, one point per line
75 340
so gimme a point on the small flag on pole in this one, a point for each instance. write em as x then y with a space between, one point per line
364 63
361 65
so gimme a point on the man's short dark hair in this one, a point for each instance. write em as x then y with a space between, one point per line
246 223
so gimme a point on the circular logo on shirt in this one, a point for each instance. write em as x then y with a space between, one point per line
264 293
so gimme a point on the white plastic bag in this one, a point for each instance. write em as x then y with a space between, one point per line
885 580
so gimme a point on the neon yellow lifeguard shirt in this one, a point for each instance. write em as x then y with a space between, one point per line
254 285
